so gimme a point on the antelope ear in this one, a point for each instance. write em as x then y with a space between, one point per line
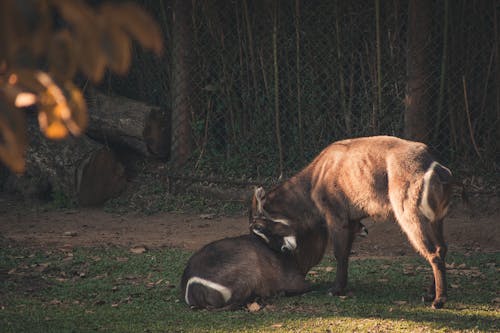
259 199
259 193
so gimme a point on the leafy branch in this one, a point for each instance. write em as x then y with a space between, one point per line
40 56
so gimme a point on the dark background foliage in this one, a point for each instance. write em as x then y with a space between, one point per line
257 88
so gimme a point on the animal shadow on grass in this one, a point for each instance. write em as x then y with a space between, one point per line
394 298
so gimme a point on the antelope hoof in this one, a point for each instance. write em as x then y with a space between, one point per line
438 303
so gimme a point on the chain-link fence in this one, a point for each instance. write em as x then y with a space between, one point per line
257 88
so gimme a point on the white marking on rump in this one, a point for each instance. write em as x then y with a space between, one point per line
224 291
442 166
424 207
261 235
290 243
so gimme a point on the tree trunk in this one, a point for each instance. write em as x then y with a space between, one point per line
123 122
418 70
79 170
181 85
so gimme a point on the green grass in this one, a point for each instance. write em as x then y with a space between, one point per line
112 290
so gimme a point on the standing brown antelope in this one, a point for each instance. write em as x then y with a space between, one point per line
381 177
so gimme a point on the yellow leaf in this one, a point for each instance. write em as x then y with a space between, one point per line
14 95
78 121
51 114
60 109
55 131
25 99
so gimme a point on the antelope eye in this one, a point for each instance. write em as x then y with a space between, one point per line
258 227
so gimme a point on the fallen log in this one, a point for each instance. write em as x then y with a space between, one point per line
126 123
79 170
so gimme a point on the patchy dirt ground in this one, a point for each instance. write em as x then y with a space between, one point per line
465 230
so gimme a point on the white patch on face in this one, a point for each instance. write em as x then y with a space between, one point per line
282 221
259 196
224 291
363 232
290 243
261 235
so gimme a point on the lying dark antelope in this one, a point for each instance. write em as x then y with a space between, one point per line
379 177
229 272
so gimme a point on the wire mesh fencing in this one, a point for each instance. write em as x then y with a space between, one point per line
257 88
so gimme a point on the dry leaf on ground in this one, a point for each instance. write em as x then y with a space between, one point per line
138 249
253 307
